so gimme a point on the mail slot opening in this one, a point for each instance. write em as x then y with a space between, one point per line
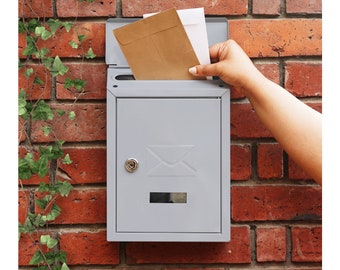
168 197
129 77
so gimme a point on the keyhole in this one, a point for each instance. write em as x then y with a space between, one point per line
131 165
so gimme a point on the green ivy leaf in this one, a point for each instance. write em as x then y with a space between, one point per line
37 80
32 25
72 115
37 258
55 211
24 169
41 54
64 188
67 160
58 68
73 44
29 72
90 54
54 25
81 37
43 166
22 110
67 26
40 31
64 267
48 240
42 111
47 130
60 112
43 187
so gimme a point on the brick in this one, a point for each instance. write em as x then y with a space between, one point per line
244 123
82 206
21 45
35 8
89 247
304 6
278 37
33 90
265 203
295 172
271 244
131 8
240 162
266 7
23 205
26 248
306 244
74 8
88 125
95 39
235 251
94 74
88 166
269 161
304 79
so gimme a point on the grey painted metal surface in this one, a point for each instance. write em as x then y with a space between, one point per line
168 153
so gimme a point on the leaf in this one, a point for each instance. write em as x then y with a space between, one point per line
58 68
67 26
22 110
90 54
43 187
81 37
37 258
40 31
55 211
48 240
29 72
43 166
64 188
37 80
67 160
72 115
24 169
64 267
73 44
60 112
54 24
41 54
42 111
47 130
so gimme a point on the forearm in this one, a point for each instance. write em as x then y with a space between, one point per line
296 126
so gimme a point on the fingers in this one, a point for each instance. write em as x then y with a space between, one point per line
204 70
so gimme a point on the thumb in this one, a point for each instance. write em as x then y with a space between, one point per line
204 70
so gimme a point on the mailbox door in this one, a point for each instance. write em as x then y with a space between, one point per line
175 185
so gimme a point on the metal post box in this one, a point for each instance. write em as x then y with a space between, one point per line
168 152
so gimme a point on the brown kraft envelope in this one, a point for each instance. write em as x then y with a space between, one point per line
157 47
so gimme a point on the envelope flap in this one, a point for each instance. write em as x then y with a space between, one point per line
147 27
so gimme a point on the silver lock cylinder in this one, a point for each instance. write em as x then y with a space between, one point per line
131 165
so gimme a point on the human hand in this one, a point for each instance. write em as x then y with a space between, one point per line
231 64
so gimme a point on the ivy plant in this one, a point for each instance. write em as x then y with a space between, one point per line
42 160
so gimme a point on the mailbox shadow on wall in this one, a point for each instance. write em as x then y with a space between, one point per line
168 152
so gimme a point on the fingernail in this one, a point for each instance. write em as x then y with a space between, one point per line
193 70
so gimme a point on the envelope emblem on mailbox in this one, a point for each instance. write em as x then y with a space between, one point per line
170 160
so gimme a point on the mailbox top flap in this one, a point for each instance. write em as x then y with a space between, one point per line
217 30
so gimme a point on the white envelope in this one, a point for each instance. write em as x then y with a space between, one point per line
169 160
194 24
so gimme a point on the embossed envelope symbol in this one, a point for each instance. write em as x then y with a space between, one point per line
169 160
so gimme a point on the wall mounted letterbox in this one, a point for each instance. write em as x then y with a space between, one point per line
168 152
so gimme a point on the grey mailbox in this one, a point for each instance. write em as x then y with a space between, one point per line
168 152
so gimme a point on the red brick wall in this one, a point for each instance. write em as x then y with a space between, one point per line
275 207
